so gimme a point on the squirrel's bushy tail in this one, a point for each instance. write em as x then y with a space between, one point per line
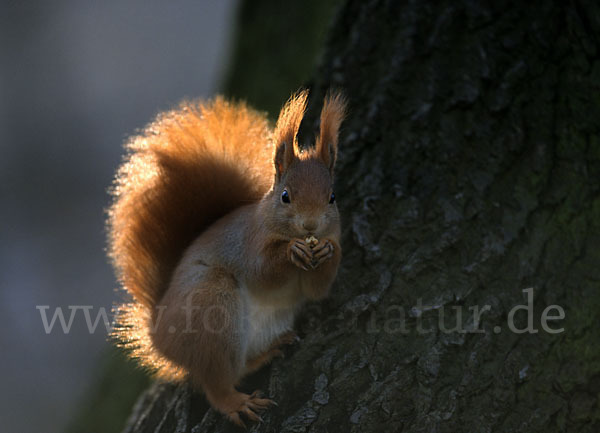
187 169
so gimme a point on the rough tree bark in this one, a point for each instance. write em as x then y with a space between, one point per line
469 171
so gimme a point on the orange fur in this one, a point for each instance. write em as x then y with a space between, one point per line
197 220
189 168
286 142
332 115
290 118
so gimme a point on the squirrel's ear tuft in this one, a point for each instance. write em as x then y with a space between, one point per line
286 143
332 115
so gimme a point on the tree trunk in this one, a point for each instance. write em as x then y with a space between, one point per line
469 172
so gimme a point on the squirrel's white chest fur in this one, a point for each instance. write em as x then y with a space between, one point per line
265 321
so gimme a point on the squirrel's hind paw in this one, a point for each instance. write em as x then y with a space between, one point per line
249 408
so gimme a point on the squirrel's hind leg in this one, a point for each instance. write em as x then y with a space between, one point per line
202 331
274 351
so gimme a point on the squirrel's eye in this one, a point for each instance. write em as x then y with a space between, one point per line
285 197
332 198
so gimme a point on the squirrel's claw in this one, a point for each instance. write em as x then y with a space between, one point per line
297 262
252 404
234 417
300 254
251 415
322 252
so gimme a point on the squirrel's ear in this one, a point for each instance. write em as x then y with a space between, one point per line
332 115
286 143
284 156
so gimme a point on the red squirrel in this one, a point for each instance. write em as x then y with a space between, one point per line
220 229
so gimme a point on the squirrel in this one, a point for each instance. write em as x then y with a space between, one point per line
220 229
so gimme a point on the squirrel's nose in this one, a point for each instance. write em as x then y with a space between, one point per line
309 225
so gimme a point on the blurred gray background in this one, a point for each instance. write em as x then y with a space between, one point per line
76 78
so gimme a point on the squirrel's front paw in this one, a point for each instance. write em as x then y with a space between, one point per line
300 254
322 252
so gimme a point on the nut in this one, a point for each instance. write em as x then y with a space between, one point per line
311 241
